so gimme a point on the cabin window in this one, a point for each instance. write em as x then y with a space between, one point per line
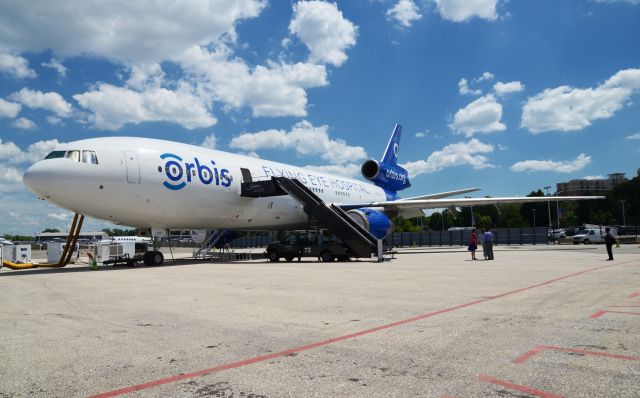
55 155
89 157
73 155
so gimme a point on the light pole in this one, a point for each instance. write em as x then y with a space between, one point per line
549 206
623 220
473 224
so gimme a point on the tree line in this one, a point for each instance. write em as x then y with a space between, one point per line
607 211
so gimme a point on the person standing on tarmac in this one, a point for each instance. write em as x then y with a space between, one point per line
488 241
609 241
473 244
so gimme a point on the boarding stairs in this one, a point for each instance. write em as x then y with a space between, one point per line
329 216
204 250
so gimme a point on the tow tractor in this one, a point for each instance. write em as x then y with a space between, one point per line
307 244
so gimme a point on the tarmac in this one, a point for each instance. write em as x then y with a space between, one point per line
538 321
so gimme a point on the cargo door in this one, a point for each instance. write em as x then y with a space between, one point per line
133 167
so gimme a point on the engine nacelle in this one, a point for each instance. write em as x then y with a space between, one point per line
373 221
389 177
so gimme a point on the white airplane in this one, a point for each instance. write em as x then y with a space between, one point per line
149 183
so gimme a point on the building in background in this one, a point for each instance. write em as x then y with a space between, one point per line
596 186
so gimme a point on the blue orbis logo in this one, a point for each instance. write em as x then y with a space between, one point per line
180 173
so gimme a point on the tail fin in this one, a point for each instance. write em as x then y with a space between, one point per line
391 153
386 173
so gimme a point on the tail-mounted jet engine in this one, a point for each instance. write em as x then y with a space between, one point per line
374 221
390 177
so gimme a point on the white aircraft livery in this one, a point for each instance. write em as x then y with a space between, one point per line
149 183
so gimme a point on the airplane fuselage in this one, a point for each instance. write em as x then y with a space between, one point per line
162 184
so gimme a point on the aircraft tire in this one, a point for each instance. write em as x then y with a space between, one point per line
327 256
153 258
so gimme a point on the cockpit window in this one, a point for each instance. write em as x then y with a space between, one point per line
55 155
89 157
73 155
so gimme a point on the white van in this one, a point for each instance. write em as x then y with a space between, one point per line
591 235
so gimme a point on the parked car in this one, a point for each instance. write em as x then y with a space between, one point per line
555 234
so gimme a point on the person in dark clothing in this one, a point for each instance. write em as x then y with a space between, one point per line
609 241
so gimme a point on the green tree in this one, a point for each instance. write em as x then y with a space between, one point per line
53 230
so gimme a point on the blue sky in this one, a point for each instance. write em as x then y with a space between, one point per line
508 96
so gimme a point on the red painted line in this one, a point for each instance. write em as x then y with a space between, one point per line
540 348
600 313
634 295
263 358
624 306
517 387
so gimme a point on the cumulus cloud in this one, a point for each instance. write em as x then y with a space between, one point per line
566 108
145 75
130 32
141 36
10 174
463 88
112 107
210 141
420 134
51 101
24 124
274 90
501 88
59 216
15 65
463 10
458 154
57 66
578 163
11 153
480 116
305 139
484 77
635 136
346 170
9 109
598 177
322 28
463 84
405 12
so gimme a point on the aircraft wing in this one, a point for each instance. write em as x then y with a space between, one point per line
442 194
419 204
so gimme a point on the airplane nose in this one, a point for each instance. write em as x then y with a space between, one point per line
38 179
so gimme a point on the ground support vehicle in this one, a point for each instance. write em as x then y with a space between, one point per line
298 246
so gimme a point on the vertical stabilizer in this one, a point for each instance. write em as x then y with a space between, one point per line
390 156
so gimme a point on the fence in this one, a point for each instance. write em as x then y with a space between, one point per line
501 236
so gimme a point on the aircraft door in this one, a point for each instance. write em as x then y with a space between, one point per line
133 167
246 175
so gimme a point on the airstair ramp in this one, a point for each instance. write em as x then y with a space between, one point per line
204 250
330 216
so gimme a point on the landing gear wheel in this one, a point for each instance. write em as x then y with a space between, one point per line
288 258
326 256
153 258
273 257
